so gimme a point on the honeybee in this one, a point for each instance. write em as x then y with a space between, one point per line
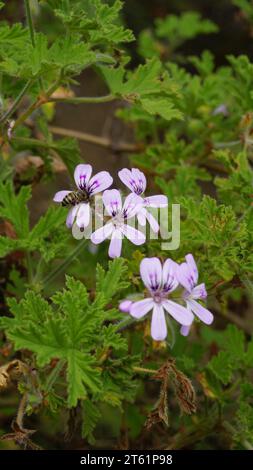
75 197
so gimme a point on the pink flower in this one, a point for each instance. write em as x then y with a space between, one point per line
86 188
125 305
117 228
187 275
160 282
136 181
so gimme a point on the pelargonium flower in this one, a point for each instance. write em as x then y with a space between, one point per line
187 275
80 199
160 282
116 228
125 305
136 181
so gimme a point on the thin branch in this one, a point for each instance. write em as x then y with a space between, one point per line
84 99
21 410
144 370
31 30
223 145
54 375
14 106
31 142
40 101
96 140
62 267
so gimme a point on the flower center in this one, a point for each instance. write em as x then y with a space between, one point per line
159 296
118 220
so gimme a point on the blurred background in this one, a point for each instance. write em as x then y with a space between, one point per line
233 37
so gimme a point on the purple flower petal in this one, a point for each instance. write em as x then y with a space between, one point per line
58 197
151 273
82 175
115 244
202 313
158 323
83 215
135 236
179 313
141 216
141 308
134 179
112 201
156 201
125 306
132 205
102 233
150 218
199 292
193 267
71 216
99 182
185 330
170 281
185 277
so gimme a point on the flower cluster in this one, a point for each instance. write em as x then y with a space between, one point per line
135 204
160 281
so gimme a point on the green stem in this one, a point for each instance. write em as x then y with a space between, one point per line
31 30
29 267
21 410
29 21
65 264
248 445
54 374
144 370
222 145
31 142
84 99
14 106
37 103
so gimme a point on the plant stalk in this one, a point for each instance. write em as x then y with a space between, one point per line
31 30
14 106
84 99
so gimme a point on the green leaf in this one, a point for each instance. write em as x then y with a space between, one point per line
222 367
7 245
97 21
81 375
90 417
148 86
161 107
13 207
111 281
69 151
234 342
177 29
46 236
59 333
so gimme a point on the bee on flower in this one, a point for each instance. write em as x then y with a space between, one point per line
80 199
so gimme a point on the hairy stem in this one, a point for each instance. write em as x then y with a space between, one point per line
29 267
31 30
144 370
62 267
40 100
21 411
85 99
15 104
54 374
